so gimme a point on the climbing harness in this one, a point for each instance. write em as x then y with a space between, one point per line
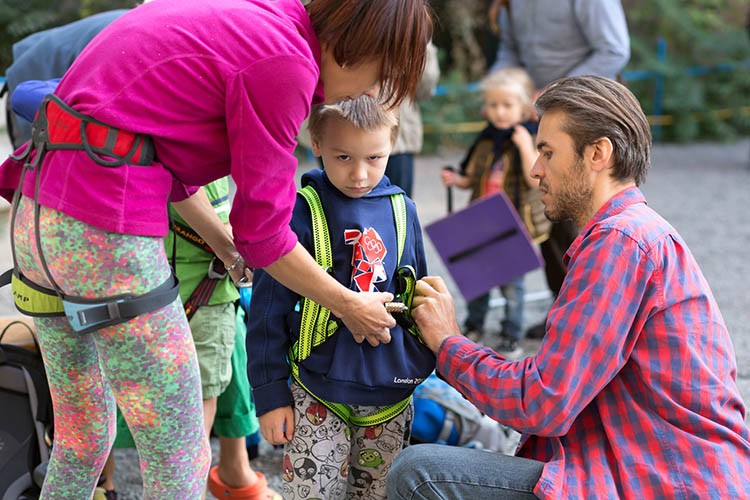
317 326
58 127
216 270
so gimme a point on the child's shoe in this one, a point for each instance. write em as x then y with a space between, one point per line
101 494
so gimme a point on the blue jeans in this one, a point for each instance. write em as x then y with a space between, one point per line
400 171
513 292
439 472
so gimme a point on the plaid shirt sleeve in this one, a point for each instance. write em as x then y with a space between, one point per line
588 341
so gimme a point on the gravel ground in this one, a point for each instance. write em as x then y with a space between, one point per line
700 188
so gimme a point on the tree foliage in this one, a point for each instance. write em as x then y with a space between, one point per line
697 33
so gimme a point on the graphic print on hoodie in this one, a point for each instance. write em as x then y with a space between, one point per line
367 258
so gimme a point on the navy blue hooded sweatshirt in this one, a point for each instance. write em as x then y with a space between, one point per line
340 370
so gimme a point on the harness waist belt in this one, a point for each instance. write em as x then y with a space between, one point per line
86 315
61 127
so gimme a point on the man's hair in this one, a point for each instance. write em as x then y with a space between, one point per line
598 107
394 33
516 78
364 113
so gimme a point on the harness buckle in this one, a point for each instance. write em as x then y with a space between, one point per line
406 281
87 316
216 270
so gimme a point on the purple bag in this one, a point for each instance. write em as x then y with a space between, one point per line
484 245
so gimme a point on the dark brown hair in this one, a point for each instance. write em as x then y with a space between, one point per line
393 32
597 107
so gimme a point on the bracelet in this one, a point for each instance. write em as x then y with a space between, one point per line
235 263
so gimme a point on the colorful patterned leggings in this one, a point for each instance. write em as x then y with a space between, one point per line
329 459
147 364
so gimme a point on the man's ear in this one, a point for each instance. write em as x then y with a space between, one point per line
600 154
315 146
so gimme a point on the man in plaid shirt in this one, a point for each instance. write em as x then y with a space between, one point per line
632 393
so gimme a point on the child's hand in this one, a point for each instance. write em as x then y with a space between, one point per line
448 177
522 138
277 426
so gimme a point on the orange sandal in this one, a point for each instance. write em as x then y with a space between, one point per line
256 491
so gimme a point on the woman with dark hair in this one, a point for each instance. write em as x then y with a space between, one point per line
170 96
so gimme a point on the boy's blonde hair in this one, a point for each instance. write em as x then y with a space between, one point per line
516 78
364 113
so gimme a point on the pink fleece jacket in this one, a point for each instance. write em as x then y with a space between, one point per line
221 86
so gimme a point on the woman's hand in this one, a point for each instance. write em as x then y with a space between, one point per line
365 316
434 312
277 426
239 271
362 313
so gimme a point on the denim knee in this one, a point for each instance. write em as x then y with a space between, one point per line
408 471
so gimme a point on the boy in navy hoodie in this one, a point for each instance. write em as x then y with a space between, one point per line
347 411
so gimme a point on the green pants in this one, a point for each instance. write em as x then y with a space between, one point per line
235 411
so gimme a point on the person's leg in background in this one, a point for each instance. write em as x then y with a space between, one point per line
213 329
106 488
400 171
477 311
440 472
512 324
561 235
235 419
148 362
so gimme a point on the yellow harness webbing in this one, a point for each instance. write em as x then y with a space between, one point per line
316 326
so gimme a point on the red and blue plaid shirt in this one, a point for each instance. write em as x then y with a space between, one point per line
632 393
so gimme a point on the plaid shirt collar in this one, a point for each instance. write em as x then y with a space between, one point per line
619 202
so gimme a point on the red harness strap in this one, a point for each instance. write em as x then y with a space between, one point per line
69 129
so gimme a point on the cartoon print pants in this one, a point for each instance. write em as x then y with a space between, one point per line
148 363
329 459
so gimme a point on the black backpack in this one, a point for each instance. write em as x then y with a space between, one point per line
26 420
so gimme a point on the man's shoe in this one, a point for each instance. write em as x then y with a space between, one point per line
537 331
509 348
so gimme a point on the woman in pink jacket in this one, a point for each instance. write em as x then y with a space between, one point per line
216 88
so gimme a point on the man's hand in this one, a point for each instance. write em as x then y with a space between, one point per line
277 426
434 312
365 316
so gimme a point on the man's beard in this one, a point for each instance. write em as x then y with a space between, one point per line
572 199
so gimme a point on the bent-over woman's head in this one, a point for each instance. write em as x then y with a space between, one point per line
392 34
